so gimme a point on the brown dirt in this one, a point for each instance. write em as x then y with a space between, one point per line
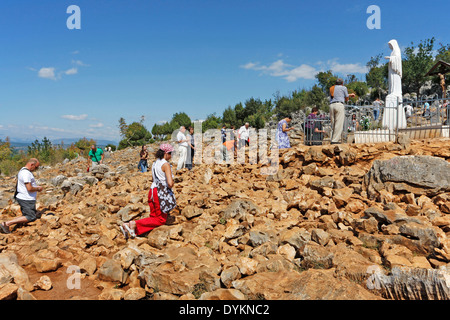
60 291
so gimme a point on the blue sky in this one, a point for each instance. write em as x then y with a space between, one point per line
159 57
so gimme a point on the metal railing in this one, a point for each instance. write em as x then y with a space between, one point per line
365 123
317 131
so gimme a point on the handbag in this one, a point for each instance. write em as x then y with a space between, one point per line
167 201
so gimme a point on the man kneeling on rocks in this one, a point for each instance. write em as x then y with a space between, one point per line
26 192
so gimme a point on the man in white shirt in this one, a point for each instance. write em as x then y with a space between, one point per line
244 135
183 145
26 192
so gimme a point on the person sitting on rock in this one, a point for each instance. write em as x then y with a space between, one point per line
163 171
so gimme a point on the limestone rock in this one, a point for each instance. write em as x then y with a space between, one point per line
134 294
414 284
308 285
44 283
111 270
8 291
223 294
421 174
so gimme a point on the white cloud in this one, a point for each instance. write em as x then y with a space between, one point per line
71 71
52 74
304 71
45 128
280 69
250 65
74 117
349 68
47 73
79 63
98 125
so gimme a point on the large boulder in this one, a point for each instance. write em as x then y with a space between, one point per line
309 285
421 175
413 283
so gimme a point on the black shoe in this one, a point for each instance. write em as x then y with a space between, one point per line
4 228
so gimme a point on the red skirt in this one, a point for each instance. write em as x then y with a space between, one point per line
157 217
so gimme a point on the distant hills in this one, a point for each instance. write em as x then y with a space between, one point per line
22 144
69 141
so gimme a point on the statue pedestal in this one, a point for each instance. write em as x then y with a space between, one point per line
394 114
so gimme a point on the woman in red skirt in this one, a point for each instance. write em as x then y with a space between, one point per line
161 168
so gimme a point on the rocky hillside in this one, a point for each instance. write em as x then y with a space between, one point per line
365 221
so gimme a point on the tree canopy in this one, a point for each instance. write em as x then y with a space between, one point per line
135 134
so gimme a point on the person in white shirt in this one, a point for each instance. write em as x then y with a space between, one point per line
183 145
26 193
244 135
408 110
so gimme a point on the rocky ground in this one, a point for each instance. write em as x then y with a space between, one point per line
367 221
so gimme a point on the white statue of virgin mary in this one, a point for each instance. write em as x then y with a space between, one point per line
395 69
394 114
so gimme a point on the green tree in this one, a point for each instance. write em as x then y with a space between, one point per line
5 149
135 134
316 97
180 119
157 132
359 88
229 117
212 122
41 150
123 127
443 53
256 120
418 61
10 162
376 78
84 146
286 105
326 80
240 114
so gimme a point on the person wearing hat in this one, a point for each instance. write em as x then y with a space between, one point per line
162 171
339 96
